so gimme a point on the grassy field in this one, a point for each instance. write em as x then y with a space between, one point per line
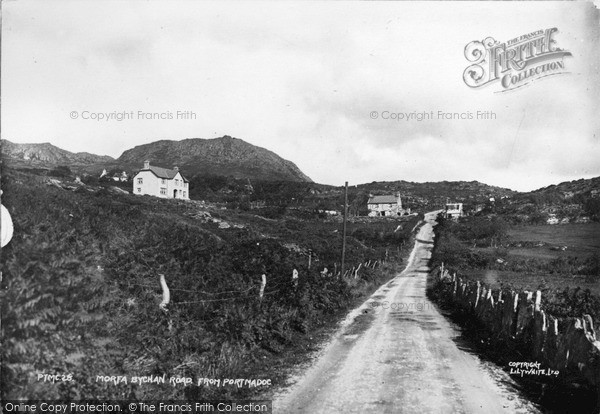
543 245
581 240
563 261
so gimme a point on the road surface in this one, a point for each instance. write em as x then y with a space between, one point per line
397 354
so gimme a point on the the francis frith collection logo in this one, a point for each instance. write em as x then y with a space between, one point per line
514 63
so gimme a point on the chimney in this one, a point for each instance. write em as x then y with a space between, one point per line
146 165
176 169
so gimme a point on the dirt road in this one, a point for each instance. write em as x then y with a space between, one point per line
397 354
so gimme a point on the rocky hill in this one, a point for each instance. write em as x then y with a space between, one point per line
570 189
568 202
220 156
48 155
196 157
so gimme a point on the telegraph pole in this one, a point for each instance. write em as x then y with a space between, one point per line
345 220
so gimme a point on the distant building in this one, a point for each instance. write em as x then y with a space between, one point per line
161 182
122 177
116 176
385 206
453 210
257 204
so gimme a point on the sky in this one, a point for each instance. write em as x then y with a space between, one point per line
315 82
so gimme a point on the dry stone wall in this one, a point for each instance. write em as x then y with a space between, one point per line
569 345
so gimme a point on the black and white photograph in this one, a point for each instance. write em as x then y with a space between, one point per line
300 207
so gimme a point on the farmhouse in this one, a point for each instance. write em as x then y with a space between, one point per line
385 205
161 182
453 210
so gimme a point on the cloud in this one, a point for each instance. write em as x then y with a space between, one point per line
304 83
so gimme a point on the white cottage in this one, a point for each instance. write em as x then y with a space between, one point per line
454 210
385 205
161 182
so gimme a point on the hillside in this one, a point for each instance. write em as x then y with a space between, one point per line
80 293
569 189
48 155
568 202
415 196
224 156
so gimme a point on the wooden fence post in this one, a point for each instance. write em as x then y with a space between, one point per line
165 292
262 286
357 269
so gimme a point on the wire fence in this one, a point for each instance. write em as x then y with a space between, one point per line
273 288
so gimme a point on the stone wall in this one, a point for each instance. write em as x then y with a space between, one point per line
569 345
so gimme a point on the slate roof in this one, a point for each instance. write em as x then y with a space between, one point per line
383 199
164 173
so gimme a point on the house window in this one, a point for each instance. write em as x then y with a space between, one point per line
140 181
163 191
163 182
186 185
139 190
184 194
176 182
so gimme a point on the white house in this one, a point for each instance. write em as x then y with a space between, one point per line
385 205
161 182
454 210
